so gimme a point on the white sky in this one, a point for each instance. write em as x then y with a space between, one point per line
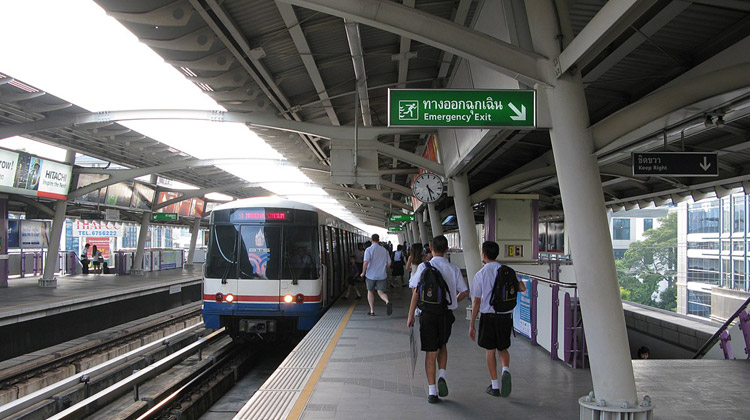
73 50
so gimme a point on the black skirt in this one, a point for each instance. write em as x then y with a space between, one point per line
397 268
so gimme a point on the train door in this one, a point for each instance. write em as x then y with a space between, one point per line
221 267
335 264
260 266
329 280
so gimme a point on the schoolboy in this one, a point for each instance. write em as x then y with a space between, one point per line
435 330
494 328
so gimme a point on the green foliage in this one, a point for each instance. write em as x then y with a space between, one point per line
649 262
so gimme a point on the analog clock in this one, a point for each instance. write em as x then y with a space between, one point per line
427 187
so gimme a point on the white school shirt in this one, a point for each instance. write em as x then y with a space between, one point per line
397 256
377 258
482 286
451 274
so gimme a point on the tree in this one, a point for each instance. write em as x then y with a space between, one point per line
648 263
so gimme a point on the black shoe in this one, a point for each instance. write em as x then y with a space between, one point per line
358 297
505 384
493 392
433 399
389 308
371 313
442 387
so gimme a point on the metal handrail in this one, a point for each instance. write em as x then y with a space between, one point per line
714 338
548 281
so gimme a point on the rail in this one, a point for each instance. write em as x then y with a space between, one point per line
538 317
717 335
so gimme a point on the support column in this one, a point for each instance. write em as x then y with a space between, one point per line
437 228
193 241
48 278
466 226
3 241
422 229
586 223
427 227
410 229
137 269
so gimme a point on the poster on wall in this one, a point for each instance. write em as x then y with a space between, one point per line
102 245
169 259
33 234
522 311
13 233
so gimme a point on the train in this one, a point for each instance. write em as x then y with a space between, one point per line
273 266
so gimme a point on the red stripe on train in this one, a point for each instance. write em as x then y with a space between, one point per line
254 298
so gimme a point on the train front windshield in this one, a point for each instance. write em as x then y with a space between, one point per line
270 249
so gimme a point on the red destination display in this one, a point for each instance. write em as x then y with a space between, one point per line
261 215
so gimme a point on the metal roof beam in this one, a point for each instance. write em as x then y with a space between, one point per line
360 74
374 194
611 21
435 31
298 37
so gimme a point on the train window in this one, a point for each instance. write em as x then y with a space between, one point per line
301 256
222 251
260 252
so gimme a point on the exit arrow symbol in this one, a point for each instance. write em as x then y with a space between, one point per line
520 115
705 165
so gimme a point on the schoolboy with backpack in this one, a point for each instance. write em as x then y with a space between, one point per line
494 294
437 286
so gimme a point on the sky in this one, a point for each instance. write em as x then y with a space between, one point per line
73 50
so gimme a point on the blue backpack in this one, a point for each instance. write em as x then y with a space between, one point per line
434 294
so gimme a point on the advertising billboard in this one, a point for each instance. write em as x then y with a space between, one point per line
96 196
119 194
190 207
22 173
143 196
33 234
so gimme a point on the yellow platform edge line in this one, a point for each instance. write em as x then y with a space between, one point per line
299 405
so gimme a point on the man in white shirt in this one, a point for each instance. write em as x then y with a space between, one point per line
435 330
494 328
377 261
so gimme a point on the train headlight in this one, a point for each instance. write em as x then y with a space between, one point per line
288 298
300 298
219 297
229 298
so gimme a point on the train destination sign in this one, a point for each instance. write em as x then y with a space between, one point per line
461 108
676 163
401 218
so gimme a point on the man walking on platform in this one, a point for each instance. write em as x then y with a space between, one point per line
495 324
377 261
436 318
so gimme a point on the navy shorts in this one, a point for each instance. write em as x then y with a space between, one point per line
435 330
495 330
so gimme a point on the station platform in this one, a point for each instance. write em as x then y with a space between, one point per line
354 366
33 317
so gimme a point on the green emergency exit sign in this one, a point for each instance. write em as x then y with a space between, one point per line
164 216
461 108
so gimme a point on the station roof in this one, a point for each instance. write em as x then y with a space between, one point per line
303 62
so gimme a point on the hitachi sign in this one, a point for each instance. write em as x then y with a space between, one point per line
59 176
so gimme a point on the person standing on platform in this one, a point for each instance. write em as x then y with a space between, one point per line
435 326
494 327
95 255
353 278
359 255
377 261
398 265
85 259
415 258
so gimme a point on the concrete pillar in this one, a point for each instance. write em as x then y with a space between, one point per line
466 226
48 278
585 218
136 269
427 227
410 229
423 235
193 241
3 241
437 228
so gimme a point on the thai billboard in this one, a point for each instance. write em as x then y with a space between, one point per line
97 229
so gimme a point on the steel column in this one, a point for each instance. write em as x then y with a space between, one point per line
193 241
422 229
466 225
137 267
437 228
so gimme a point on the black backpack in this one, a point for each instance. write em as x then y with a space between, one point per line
434 294
505 290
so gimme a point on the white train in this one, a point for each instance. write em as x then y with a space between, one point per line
273 266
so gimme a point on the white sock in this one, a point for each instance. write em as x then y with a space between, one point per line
441 373
433 389
505 369
494 384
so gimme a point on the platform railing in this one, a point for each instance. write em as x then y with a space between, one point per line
723 336
547 307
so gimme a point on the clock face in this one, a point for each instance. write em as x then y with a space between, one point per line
427 188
